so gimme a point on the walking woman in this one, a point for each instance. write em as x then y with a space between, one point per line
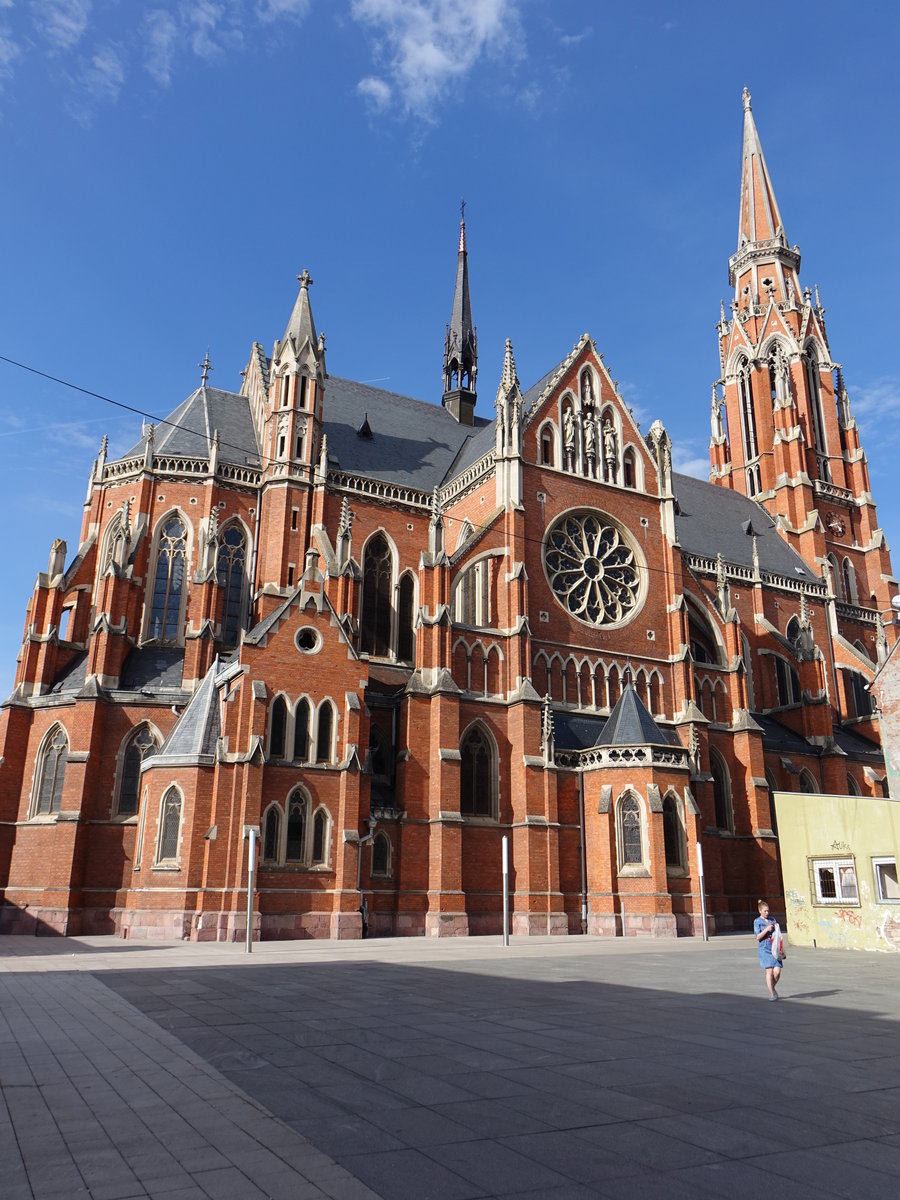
764 928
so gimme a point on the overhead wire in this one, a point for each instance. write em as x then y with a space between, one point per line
247 452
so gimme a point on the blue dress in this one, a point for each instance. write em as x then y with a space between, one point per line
766 957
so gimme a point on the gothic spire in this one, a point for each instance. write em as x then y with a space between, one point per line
461 341
760 219
764 266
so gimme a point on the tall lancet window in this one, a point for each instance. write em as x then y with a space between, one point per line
815 414
230 578
168 583
748 427
378 569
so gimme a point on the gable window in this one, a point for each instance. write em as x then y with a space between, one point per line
51 773
476 780
887 887
277 727
378 569
324 735
168 582
630 839
230 578
142 745
834 880
169 826
301 730
629 471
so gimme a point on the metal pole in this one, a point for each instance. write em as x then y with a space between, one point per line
505 845
251 876
622 909
702 892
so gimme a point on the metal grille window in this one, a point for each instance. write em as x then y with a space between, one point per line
170 826
834 881
630 823
141 746
52 772
168 584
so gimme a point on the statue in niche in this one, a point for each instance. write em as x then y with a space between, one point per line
717 426
610 450
590 440
569 438
587 389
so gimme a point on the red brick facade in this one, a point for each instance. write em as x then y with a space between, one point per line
385 634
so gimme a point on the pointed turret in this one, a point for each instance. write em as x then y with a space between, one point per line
461 342
301 327
764 267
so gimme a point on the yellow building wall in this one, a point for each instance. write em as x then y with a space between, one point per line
814 829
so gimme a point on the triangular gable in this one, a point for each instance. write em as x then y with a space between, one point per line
738 341
775 323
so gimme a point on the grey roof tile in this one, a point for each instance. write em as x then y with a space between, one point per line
710 521
189 428
630 724
196 731
153 669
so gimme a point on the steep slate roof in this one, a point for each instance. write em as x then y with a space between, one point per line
189 428
153 669
710 520
413 442
196 731
630 724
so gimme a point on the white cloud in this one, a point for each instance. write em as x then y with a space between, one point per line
62 22
877 398
573 39
427 45
687 460
275 10
160 34
375 91
9 52
99 82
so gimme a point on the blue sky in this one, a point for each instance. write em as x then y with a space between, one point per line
170 166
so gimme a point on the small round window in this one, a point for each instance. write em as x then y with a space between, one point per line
307 640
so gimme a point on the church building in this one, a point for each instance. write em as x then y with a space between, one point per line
386 632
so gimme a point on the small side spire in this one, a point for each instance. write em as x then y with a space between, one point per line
461 341
301 327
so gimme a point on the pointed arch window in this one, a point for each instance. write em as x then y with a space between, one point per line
748 428
817 419
631 841
169 826
230 567
721 792
320 838
673 834
405 607
808 783
547 448
629 469
141 745
325 733
861 699
378 570
477 775
277 727
272 835
51 772
301 731
849 577
168 582
381 855
297 819
787 683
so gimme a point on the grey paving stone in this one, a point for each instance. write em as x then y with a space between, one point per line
410 1175
494 1167
833 1175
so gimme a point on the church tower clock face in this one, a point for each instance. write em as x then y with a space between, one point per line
593 569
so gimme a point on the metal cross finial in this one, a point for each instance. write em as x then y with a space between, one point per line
207 367
462 210
305 279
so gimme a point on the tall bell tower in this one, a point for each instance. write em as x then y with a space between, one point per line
782 429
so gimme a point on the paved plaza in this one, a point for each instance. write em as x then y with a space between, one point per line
445 1070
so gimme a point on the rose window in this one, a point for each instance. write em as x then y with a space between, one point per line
593 571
